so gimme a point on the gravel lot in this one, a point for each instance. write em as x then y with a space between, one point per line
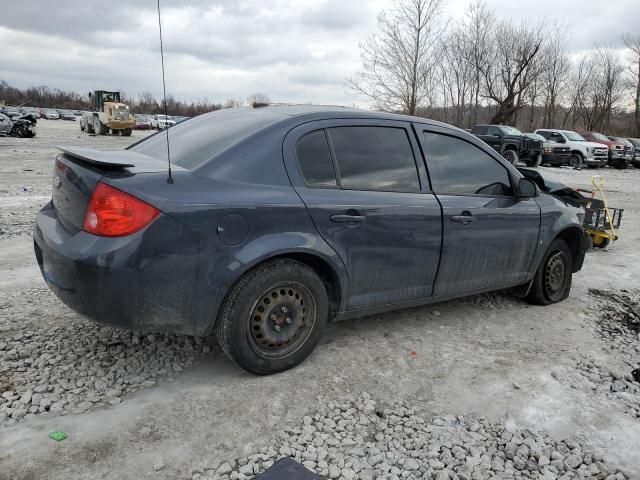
476 388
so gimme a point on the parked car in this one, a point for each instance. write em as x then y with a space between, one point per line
583 152
52 115
635 161
143 122
179 119
553 153
23 126
628 148
278 219
11 112
511 143
66 115
616 149
159 122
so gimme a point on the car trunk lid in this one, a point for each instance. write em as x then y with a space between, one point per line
78 170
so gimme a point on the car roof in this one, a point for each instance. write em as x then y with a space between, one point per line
304 113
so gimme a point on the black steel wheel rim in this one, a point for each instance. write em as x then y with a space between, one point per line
574 161
281 320
510 156
555 275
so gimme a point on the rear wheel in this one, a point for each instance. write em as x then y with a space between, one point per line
99 128
126 132
552 281
273 317
511 156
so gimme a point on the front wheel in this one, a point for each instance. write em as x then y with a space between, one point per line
126 132
552 281
273 317
511 156
576 160
535 161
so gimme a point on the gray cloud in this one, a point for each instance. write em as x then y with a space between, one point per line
293 50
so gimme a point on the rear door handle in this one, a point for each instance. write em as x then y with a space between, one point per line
348 218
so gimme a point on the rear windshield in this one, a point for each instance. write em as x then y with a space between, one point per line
195 141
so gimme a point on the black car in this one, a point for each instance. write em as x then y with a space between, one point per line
276 220
554 154
635 161
511 143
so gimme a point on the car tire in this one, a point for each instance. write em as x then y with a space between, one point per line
552 281
100 128
576 160
535 161
511 156
620 165
273 317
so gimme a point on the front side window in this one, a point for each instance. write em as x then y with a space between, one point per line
374 158
314 159
457 167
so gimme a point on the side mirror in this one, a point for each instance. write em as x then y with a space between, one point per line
560 139
527 188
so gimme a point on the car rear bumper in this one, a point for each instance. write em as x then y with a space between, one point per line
145 281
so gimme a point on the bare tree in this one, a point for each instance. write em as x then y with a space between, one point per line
513 65
633 44
457 73
479 23
599 88
258 98
555 73
398 60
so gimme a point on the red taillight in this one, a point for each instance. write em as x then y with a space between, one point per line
112 213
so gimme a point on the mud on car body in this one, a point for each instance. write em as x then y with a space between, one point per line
279 219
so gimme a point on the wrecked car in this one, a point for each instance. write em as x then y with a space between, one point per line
275 220
23 126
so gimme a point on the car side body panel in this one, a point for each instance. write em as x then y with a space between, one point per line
222 219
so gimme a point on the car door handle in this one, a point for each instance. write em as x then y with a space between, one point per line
348 218
466 218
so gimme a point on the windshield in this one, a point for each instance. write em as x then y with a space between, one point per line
198 140
535 136
511 131
575 137
599 136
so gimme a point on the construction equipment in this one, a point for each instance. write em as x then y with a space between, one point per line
108 114
600 221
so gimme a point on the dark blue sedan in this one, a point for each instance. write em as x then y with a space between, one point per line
275 220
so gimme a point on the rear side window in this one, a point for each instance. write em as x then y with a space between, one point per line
546 135
315 162
457 167
197 141
374 158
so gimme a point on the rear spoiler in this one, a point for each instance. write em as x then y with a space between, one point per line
114 159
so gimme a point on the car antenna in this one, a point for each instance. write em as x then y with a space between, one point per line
164 92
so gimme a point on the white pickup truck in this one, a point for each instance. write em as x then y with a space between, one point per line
583 152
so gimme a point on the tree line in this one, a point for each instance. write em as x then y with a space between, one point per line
143 102
483 69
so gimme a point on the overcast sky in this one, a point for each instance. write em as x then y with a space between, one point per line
292 50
